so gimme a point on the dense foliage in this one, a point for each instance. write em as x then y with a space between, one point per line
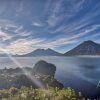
26 93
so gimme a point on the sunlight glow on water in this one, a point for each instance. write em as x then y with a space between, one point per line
80 73
32 78
67 67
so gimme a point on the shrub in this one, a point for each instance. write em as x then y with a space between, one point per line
51 93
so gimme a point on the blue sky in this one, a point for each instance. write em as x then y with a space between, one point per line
26 25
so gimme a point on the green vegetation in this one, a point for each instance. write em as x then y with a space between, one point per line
26 93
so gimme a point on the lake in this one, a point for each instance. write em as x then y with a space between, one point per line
80 73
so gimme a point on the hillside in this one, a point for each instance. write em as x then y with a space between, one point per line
41 52
86 48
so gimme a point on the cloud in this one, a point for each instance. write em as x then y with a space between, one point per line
4 36
22 46
21 31
60 10
75 22
7 23
65 40
78 34
60 42
85 32
59 23
38 24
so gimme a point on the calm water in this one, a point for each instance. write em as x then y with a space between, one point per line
80 73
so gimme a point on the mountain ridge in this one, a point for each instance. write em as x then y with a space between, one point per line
88 47
42 52
85 48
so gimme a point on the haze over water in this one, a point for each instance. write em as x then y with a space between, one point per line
80 73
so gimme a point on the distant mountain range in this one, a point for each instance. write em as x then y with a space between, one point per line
41 52
86 48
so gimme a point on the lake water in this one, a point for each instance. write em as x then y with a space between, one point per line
80 73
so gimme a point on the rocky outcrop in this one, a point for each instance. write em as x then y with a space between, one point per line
44 68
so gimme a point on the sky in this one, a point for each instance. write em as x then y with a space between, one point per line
26 25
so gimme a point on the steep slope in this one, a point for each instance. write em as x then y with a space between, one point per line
86 48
